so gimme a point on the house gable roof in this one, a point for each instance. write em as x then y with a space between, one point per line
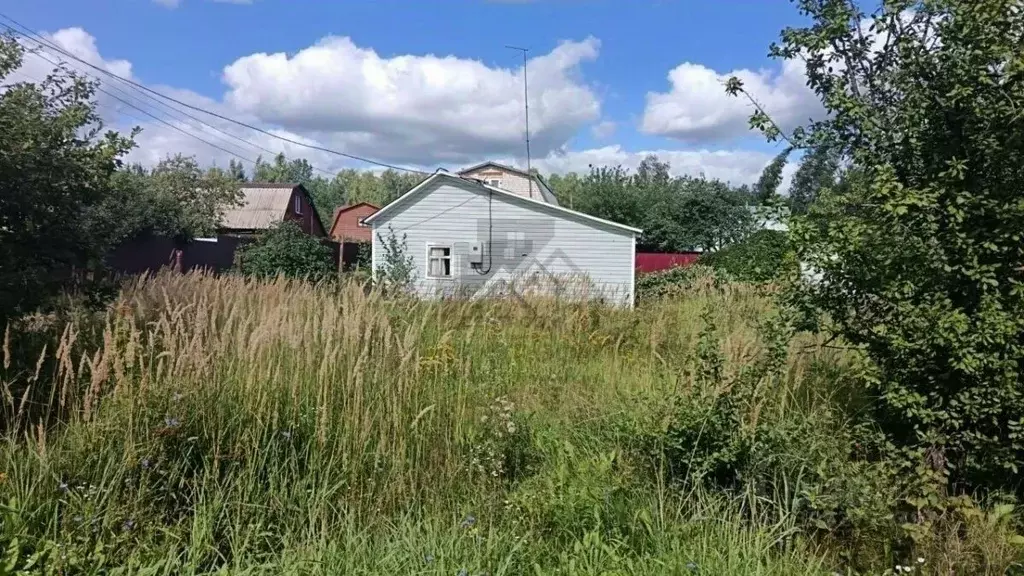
545 190
347 208
404 199
264 204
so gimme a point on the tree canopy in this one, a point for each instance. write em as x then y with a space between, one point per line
919 246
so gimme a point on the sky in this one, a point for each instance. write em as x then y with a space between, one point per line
428 84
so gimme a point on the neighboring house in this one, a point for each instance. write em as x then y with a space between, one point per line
470 239
512 180
264 205
348 225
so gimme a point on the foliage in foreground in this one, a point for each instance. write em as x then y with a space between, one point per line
764 256
919 249
285 249
268 427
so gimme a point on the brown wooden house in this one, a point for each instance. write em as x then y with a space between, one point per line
348 223
264 205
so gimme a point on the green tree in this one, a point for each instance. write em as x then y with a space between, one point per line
767 186
817 171
175 199
55 167
920 256
297 171
285 249
236 170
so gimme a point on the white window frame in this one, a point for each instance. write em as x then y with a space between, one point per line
451 261
496 182
362 223
297 205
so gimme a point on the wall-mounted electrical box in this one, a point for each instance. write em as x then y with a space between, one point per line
476 254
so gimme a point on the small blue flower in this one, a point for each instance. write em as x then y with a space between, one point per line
469 522
172 422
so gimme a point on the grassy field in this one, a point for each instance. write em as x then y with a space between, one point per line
228 426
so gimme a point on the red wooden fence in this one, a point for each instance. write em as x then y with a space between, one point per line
655 262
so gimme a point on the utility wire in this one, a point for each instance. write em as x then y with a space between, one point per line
197 108
160 120
168 107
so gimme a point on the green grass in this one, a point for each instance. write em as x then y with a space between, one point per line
231 426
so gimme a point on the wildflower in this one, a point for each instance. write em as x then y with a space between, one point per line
145 463
429 558
692 567
172 422
63 487
176 397
77 519
463 572
128 525
286 434
469 522
920 560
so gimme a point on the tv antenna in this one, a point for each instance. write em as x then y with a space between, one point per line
526 104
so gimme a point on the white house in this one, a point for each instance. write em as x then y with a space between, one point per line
468 238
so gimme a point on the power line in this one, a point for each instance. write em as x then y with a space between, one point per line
172 109
197 108
160 120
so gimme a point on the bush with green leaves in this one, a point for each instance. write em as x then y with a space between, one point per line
764 256
919 246
286 250
55 168
396 270
678 281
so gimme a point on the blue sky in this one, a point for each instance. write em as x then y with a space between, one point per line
431 83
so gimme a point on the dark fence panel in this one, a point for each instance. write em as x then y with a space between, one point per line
150 253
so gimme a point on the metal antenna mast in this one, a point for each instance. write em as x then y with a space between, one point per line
526 102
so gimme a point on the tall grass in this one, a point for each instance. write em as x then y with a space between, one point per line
278 427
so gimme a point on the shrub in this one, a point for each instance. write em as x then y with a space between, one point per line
285 249
763 256
397 270
677 280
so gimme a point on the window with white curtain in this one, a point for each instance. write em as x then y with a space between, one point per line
439 261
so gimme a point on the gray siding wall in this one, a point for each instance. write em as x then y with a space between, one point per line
534 249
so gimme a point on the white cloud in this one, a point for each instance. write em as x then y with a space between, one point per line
603 130
410 104
697 109
417 111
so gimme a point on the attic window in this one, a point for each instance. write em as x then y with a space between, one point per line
362 223
496 182
298 204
